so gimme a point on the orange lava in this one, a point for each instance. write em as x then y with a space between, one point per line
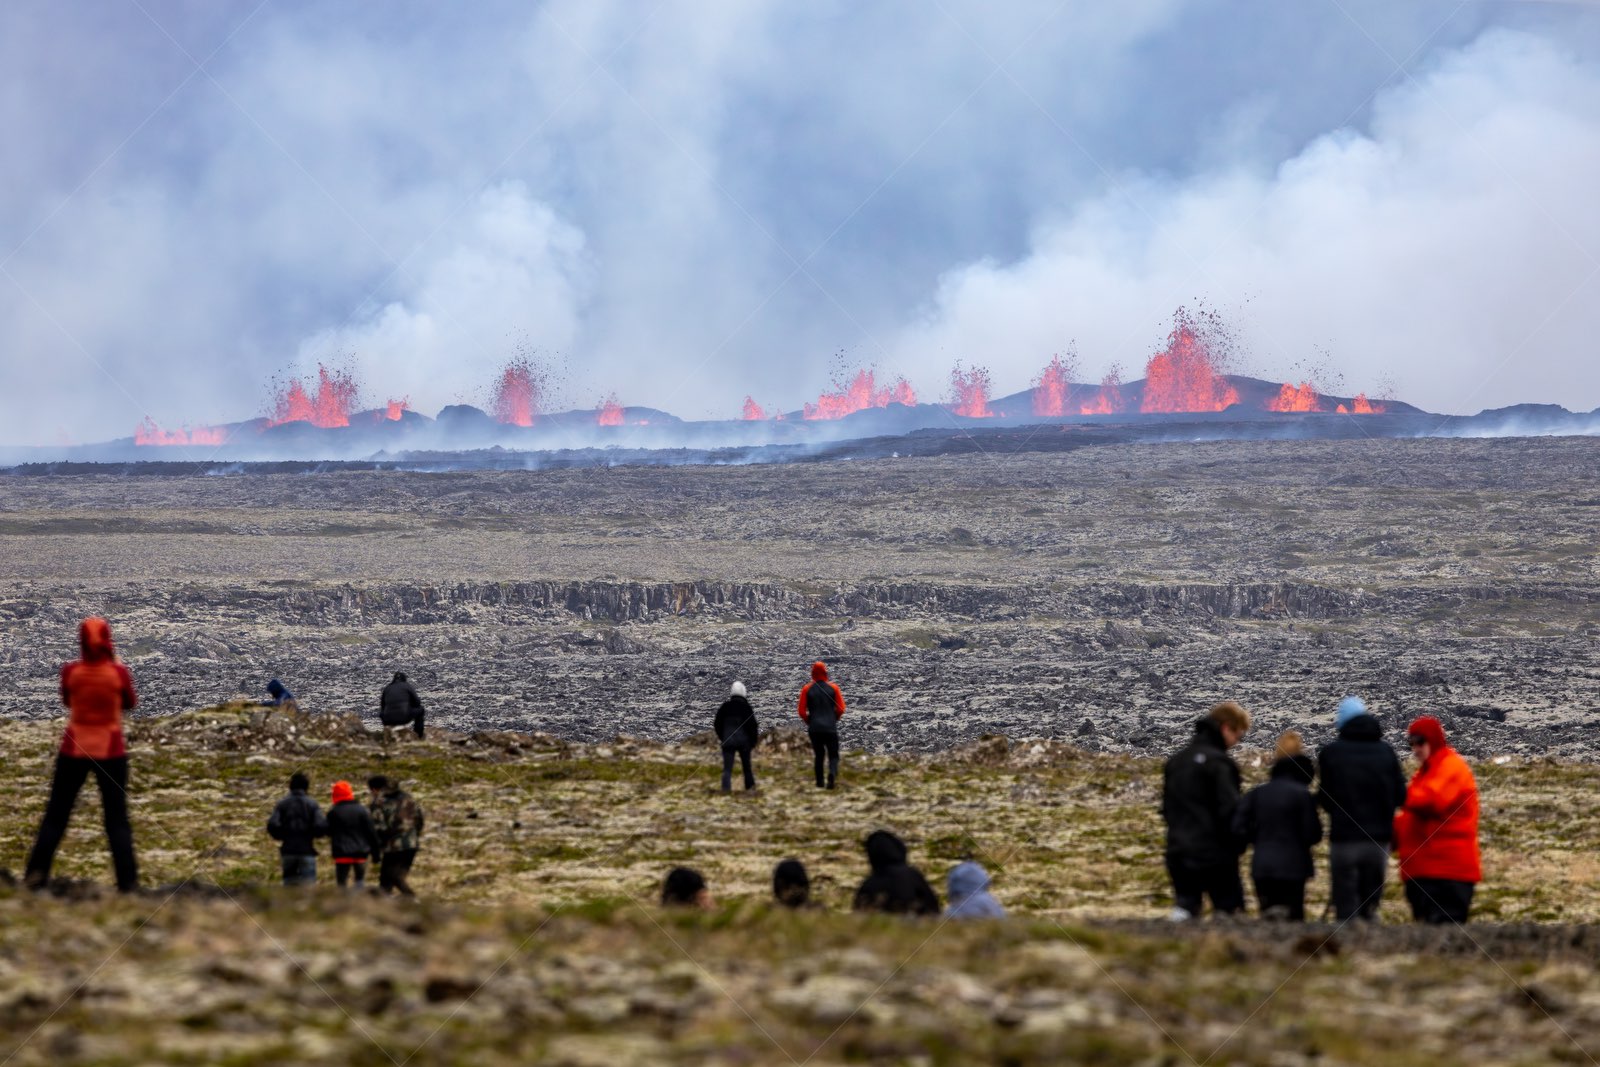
1108 401
969 392
397 408
1302 397
148 433
1362 406
609 413
753 412
1184 377
859 395
1051 392
516 394
328 406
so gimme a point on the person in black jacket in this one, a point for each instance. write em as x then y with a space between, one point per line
351 835
297 822
1199 793
1279 817
1362 788
894 886
735 726
399 704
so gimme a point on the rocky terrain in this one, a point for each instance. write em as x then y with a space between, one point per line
1103 595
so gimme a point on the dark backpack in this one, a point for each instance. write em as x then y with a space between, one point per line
821 706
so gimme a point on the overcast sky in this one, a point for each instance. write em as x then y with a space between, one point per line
691 200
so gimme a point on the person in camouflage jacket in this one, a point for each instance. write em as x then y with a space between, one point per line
397 817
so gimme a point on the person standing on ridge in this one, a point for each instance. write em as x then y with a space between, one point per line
1199 793
1279 817
1361 788
399 704
96 688
1436 832
821 708
735 727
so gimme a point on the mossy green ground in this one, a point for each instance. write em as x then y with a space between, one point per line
536 936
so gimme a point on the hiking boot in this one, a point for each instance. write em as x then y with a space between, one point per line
830 781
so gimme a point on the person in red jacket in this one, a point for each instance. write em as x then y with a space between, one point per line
1436 830
821 708
97 689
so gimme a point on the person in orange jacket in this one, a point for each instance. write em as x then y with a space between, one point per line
821 708
96 688
1436 830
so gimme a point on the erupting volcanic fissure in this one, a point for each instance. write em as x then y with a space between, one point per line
1186 376
1052 390
328 405
516 394
1302 397
969 392
1362 406
397 408
148 433
859 395
753 412
609 412
1108 401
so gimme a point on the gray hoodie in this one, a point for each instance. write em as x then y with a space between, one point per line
969 894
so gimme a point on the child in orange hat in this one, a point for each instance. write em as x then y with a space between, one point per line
352 835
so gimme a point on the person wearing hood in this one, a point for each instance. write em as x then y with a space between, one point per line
279 697
685 887
894 886
1279 817
296 823
1436 832
399 704
1200 790
791 884
821 708
398 819
351 835
1361 788
736 729
968 888
96 689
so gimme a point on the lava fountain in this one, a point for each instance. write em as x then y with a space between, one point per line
609 412
1108 401
969 392
148 433
516 394
1302 397
1053 387
861 393
1184 377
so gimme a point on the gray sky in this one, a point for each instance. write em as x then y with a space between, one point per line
684 202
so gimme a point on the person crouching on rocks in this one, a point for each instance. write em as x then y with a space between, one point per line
1436 832
96 688
1279 817
736 729
397 817
894 886
399 704
821 708
351 834
1199 793
280 698
297 822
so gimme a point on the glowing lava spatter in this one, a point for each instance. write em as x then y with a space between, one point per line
328 406
148 433
1360 405
1108 401
1302 397
1053 388
609 412
397 408
969 392
1184 376
516 394
859 395
753 412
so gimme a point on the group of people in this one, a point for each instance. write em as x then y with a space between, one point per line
893 886
389 832
1429 824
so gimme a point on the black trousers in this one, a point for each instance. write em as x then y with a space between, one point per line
394 869
417 719
727 768
1439 900
1288 894
1191 882
111 776
826 744
1356 873
342 872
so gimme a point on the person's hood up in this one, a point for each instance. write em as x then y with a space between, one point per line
966 879
275 688
94 639
885 850
399 676
1300 767
1208 731
342 792
1361 728
1430 730
819 671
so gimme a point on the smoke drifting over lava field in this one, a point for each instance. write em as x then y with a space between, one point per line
1099 594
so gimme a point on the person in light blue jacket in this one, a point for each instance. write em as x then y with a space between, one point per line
969 894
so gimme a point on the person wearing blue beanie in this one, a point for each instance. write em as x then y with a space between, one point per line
1349 708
